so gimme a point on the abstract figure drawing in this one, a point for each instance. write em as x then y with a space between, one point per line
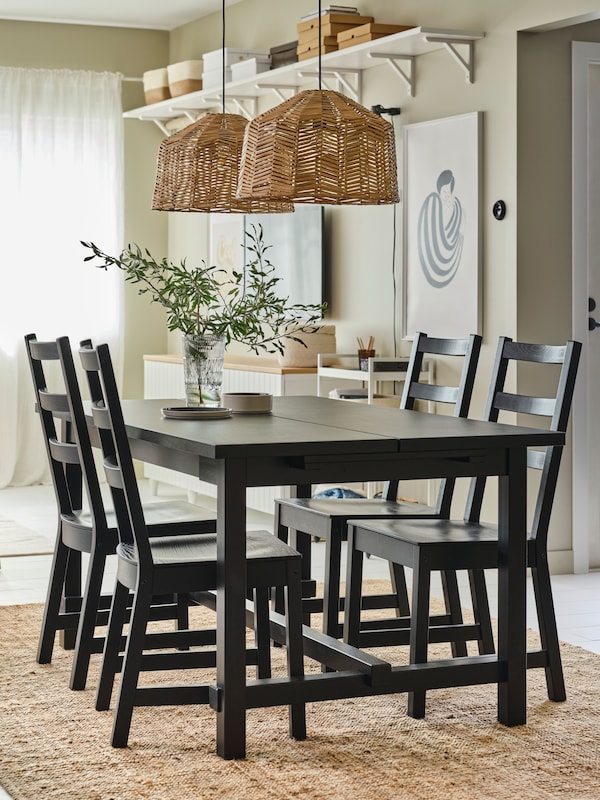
440 232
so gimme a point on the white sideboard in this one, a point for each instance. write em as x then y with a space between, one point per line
163 378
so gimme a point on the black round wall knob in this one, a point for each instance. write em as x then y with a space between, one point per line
499 209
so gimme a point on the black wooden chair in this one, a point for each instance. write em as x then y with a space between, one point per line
69 609
430 545
299 518
162 565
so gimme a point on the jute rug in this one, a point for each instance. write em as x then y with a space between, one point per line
53 744
16 540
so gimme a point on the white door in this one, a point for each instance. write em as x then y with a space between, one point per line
586 303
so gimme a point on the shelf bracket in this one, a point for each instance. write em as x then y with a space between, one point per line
192 114
161 125
245 105
238 101
467 63
278 87
407 71
355 91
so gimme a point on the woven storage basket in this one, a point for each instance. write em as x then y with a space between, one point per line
185 77
198 169
156 85
320 147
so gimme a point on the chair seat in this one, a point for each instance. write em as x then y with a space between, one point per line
432 532
167 550
433 535
357 508
169 511
77 527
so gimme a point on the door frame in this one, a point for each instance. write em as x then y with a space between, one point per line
584 55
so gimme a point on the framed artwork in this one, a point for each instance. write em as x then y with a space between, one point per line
226 242
442 227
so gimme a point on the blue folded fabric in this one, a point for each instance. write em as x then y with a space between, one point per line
337 492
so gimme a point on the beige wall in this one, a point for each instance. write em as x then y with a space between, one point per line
521 85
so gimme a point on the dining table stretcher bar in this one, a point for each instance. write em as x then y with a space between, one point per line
333 653
314 687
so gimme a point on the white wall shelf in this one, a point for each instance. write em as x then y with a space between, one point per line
380 370
341 70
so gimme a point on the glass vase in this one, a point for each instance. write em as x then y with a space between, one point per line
203 357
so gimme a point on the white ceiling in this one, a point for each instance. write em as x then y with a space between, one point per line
159 14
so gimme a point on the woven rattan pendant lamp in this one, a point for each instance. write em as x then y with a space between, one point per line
320 147
198 167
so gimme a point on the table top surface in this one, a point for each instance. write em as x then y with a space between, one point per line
318 425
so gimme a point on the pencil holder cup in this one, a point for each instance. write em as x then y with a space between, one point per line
363 359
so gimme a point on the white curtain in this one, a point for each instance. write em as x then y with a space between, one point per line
61 168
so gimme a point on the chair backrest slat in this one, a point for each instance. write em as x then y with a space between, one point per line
114 476
64 452
434 393
459 396
536 459
524 404
107 414
82 438
58 404
51 407
556 409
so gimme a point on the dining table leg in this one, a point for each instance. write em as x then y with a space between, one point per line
512 562
231 602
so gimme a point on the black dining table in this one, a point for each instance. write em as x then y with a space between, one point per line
311 440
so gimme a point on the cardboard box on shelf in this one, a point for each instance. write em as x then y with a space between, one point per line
313 42
213 79
312 50
284 54
345 20
368 33
249 67
214 59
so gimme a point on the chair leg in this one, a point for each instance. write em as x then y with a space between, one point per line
72 596
481 611
282 533
419 630
87 622
331 593
295 649
453 608
183 612
354 573
53 600
112 647
544 602
262 631
132 661
302 543
398 578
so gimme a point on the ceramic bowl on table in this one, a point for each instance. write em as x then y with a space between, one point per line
248 402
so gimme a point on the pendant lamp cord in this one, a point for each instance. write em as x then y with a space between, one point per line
223 50
319 44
